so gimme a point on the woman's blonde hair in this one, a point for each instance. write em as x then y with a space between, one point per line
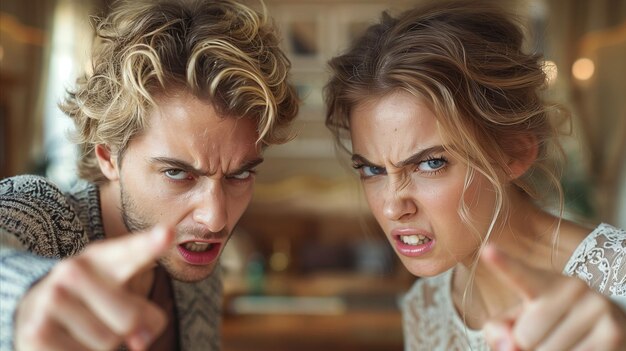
466 60
220 51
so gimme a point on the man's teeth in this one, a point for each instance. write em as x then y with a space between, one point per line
196 246
414 239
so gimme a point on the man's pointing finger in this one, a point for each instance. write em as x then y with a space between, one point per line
122 258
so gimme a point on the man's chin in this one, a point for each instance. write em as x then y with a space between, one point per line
187 273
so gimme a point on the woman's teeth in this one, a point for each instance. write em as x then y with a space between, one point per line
196 246
414 239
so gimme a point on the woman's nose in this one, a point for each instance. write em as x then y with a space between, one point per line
398 202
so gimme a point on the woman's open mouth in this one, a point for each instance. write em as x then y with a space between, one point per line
413 242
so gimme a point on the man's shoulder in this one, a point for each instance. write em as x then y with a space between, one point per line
32 193
40 216
32 185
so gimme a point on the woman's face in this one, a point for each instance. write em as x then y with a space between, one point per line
414 187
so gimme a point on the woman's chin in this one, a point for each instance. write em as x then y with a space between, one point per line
422 269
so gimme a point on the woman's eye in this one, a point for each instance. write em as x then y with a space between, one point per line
176 174
242 175
432 164
371 171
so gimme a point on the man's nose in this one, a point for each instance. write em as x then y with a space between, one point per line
210 209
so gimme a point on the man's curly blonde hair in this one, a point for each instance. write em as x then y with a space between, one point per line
220 51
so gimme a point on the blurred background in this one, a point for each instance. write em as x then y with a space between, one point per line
308 268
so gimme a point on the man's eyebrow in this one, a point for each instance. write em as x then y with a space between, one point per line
248 165
175 163
416 157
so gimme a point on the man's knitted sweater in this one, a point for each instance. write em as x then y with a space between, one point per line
40 225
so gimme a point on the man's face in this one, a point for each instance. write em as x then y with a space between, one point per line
193 169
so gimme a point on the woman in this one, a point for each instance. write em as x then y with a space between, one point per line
448 133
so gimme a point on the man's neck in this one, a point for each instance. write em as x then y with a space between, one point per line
110 204
114 227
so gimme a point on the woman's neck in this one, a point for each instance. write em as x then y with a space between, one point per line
529 236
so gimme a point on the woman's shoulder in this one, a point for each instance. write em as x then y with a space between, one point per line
608 231
599 260
604 236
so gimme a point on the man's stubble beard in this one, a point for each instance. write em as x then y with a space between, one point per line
135 222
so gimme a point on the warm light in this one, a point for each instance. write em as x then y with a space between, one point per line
1 53
583 68
551 71
279 261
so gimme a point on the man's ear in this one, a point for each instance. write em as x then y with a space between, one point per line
527 152
107 162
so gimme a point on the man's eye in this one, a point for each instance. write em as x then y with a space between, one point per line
371 171
242 175
176 174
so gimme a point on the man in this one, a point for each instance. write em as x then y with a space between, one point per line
183 97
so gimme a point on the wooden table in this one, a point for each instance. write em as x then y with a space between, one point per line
363 331
367 319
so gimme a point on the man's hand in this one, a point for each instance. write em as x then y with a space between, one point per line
557 312
83 303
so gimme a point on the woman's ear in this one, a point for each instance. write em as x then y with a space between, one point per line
107 162
527 152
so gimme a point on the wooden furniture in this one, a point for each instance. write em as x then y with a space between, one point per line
356 312
353 330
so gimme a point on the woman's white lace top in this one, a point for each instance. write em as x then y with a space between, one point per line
431 321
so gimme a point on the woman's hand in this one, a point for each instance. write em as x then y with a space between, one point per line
557 312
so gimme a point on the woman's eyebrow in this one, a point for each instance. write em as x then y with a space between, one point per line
416 157
420 155
356 158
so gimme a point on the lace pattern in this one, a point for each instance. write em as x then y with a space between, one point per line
600 261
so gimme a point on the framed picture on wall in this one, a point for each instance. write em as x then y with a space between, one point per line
304 29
